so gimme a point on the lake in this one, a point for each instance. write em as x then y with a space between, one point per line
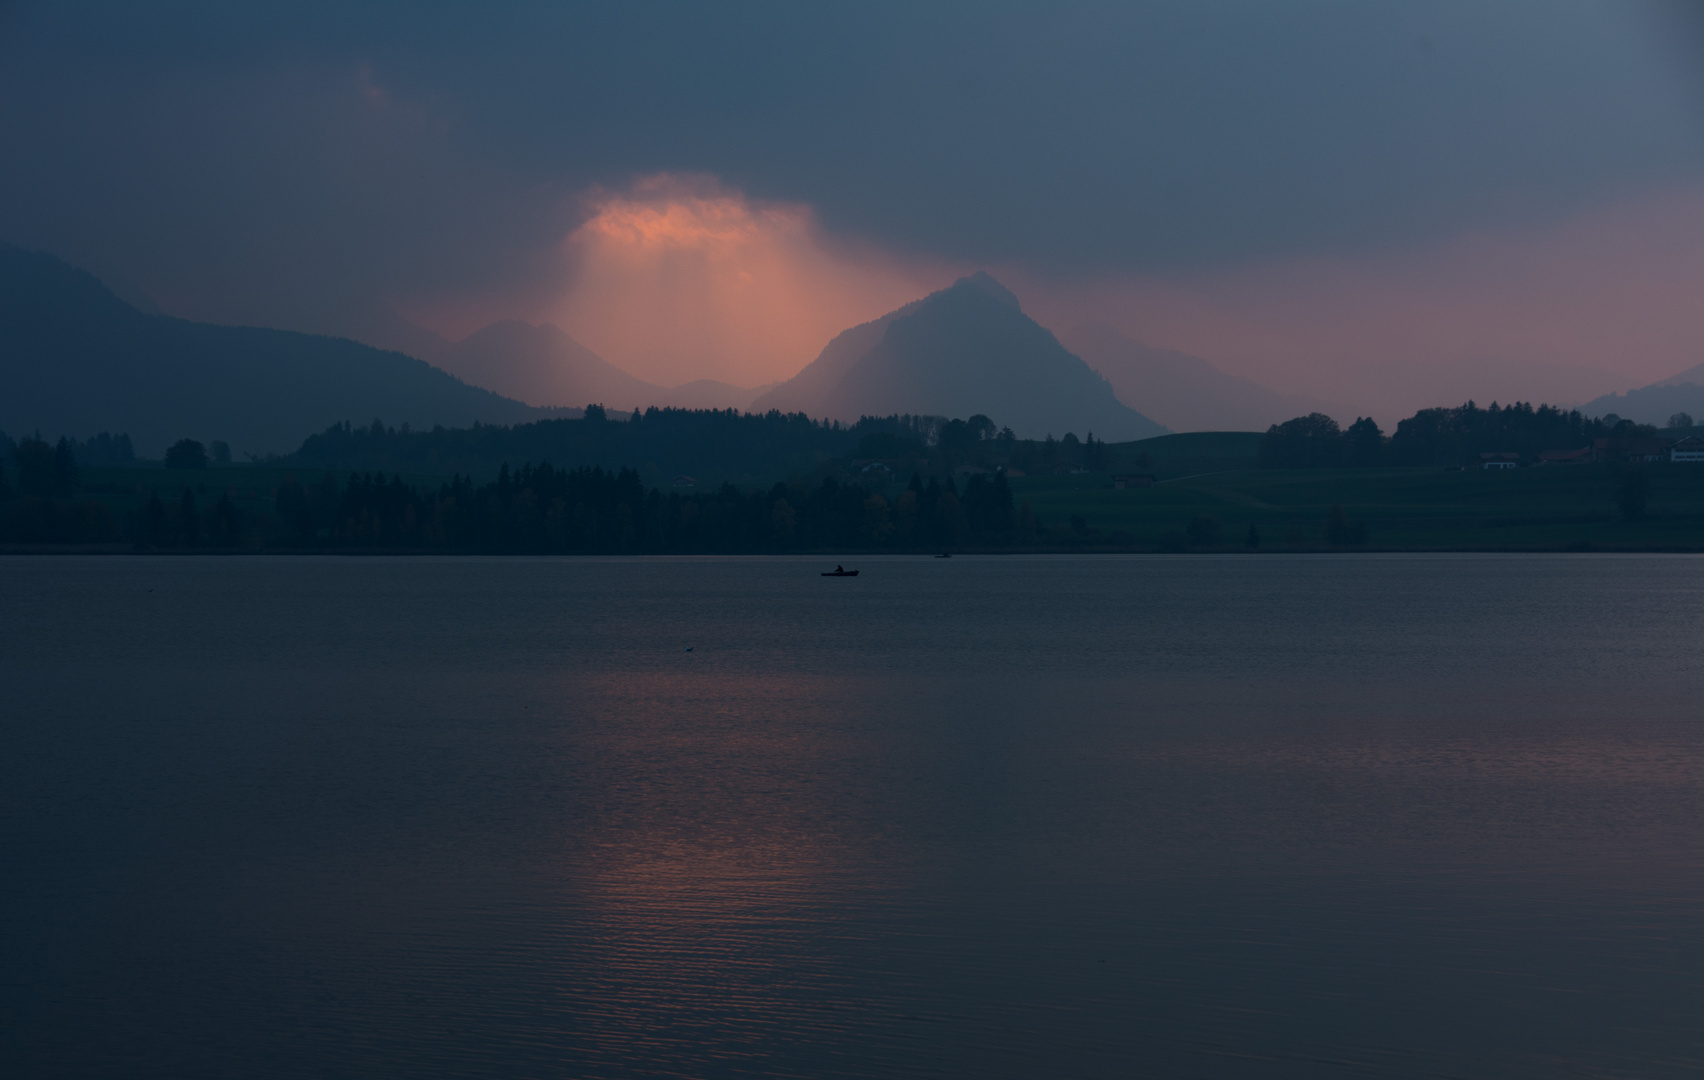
1311 816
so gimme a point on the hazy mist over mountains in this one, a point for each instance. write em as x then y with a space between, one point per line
1654 404
949 358
544 366
812 387
77 360
1377 208
540 365
964 350
1184 392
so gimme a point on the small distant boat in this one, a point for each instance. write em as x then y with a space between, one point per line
944 555
840 571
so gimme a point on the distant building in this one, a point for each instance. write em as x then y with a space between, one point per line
1132 480
1499 464
1631 448
685 481
1567 457
1690 448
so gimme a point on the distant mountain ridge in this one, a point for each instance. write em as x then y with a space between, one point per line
1655 403
966 349
811 388
1186 393
543 366
1692 376
77 360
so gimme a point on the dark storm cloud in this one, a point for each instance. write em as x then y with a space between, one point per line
261 162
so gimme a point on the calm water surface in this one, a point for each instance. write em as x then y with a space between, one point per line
1054 817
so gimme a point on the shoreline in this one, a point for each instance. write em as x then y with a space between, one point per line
89 550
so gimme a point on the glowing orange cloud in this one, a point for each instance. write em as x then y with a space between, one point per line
679 278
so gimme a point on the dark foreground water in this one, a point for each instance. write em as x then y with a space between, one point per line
1057 817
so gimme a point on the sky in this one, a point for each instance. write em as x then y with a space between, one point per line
1315 194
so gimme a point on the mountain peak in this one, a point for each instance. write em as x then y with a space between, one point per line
983 281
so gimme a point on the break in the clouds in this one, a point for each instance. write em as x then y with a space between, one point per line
680 278
677 278
282 163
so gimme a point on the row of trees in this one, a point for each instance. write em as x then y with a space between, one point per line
943 446
53 471
43 471
100 451
38 507
542 509
707 444
704 443
1435 436
594 508
1315 442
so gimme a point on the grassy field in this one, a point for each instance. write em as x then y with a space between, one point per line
1558 507
1191 452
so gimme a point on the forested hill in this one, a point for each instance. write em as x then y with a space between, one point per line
711 446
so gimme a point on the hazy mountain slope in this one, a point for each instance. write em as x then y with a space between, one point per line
1693 375
1391 391
544 366
540 365
809 390
76 360
970 349
1654 404
1184 392
381 327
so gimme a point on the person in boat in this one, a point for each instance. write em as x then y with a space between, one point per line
839 569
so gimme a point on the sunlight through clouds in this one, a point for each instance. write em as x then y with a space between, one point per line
680 277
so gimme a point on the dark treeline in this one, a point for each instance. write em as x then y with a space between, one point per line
1435 437
853 495
704 444
701 444
44 471
844 491
542 509
937 445
36 498
100 451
